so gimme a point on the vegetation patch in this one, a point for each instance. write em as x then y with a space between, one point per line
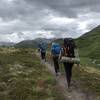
23 77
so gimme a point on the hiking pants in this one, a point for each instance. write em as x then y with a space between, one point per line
56 64
68 71
43 54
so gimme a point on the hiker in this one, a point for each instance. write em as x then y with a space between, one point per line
43 50
68 51
38 49
55 51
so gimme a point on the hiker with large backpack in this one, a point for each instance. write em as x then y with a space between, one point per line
68 57
43 50
55 51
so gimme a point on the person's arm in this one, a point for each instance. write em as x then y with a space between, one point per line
51 52
77 55
61 53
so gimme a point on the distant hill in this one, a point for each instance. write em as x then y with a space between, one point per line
32 43
7 44
26 44
43 40
59 40
89 44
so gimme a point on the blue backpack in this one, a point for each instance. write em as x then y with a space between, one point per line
43 47
55 49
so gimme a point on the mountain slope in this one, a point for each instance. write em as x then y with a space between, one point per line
26 44
32 43
89 44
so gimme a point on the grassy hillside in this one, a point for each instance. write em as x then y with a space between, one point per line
32 43
85 77
23 77
26 44
89 44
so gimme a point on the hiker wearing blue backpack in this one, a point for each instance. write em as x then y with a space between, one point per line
42 47
55 51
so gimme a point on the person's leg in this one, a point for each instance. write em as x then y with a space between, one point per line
70 65
56 65
45 56
54 61
41 55
68 71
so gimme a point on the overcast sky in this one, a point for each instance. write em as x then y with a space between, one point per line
30 19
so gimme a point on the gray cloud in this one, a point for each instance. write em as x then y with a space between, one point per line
24 19
69 8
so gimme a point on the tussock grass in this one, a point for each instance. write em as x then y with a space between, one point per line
23 77
87 76
87 80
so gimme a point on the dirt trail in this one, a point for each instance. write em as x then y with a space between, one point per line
75 93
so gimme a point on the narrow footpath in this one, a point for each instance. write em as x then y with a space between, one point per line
75 93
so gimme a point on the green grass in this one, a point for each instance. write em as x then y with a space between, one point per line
87 75
88 81
23 77
89 45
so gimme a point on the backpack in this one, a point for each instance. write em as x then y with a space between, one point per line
55 49
70 53
43 47
69 46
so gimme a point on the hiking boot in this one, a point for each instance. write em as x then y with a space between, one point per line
69 89
59 73
56 74
68 85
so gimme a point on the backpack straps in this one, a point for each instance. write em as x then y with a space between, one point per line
68 52
65 51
